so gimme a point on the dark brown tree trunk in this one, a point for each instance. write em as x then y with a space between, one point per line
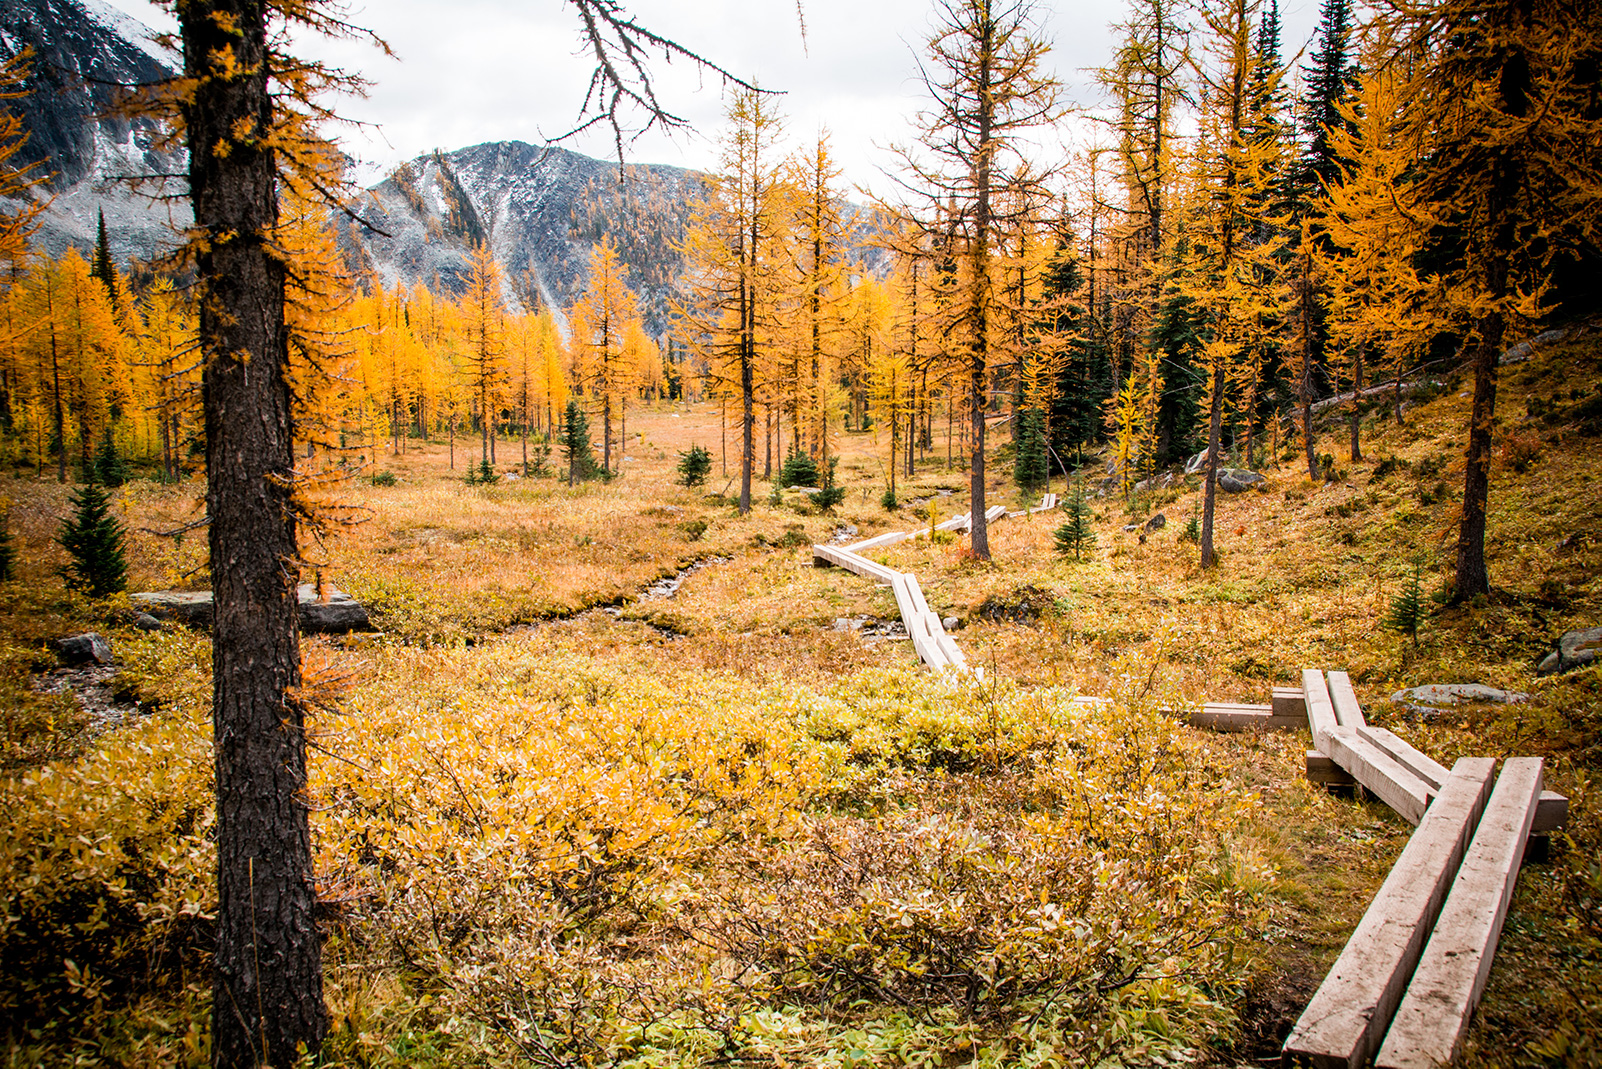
1355 416
267 993
1472 577
1215 423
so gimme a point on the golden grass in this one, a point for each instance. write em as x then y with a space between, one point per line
520 568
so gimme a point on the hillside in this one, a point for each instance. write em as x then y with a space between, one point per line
727 810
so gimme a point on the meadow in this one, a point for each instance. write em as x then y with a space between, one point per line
558 823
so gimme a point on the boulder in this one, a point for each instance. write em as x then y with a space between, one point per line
334 613
1432 698
87 648
950 623
146 622
1156 523
1195 464
1236 480
1574 650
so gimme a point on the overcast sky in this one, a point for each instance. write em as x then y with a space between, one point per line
469 71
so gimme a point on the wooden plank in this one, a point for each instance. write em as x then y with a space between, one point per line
928 651
1348 713
889 538
1231 717
1323 770
1320 710
1434 1016
1288 701
995 512
1415 761
956 523
1380 773
1346 1018
1551 813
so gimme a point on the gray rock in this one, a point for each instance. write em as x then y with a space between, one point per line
146 622
848 623
1440 697
1236 480
1575 650
89 647
951 623
336 613
1156 523
1196 463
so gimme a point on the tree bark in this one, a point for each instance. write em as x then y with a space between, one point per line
1472 577
1215 423
267 995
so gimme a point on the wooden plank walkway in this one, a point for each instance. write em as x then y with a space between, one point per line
1393 966
1434 1016
1347 1017
935 648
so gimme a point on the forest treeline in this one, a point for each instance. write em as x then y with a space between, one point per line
1236 240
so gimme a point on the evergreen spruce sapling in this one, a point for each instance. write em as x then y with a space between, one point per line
1407 608
94 539
831 493
1075 537
799 470
576 444
695 464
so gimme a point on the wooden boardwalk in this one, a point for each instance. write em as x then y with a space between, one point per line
1404 988
935 648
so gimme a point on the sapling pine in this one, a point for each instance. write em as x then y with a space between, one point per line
1075 536
94 539
1406 614
695 464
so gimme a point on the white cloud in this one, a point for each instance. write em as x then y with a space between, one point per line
491 70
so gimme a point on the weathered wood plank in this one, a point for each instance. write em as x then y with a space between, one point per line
1346 1018
889 538
1380 773
956 523
1320 710
928 651
1288 701
1434 1016
1232 717
1419 763
1348 713
1322 769
1551 813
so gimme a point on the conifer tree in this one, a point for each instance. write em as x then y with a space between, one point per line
576 444
94 539
1030 470
101 266
1230 268
1075 536
987 79
8 552
1506 101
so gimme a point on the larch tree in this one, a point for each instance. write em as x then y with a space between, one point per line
985 72
484 319
733 248
1507 99
1229 269
248 113
600 322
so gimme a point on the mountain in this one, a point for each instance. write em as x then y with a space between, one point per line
82 51
540 208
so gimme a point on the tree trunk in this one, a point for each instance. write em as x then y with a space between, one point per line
1357 401
1472 577
1215 423
267 994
